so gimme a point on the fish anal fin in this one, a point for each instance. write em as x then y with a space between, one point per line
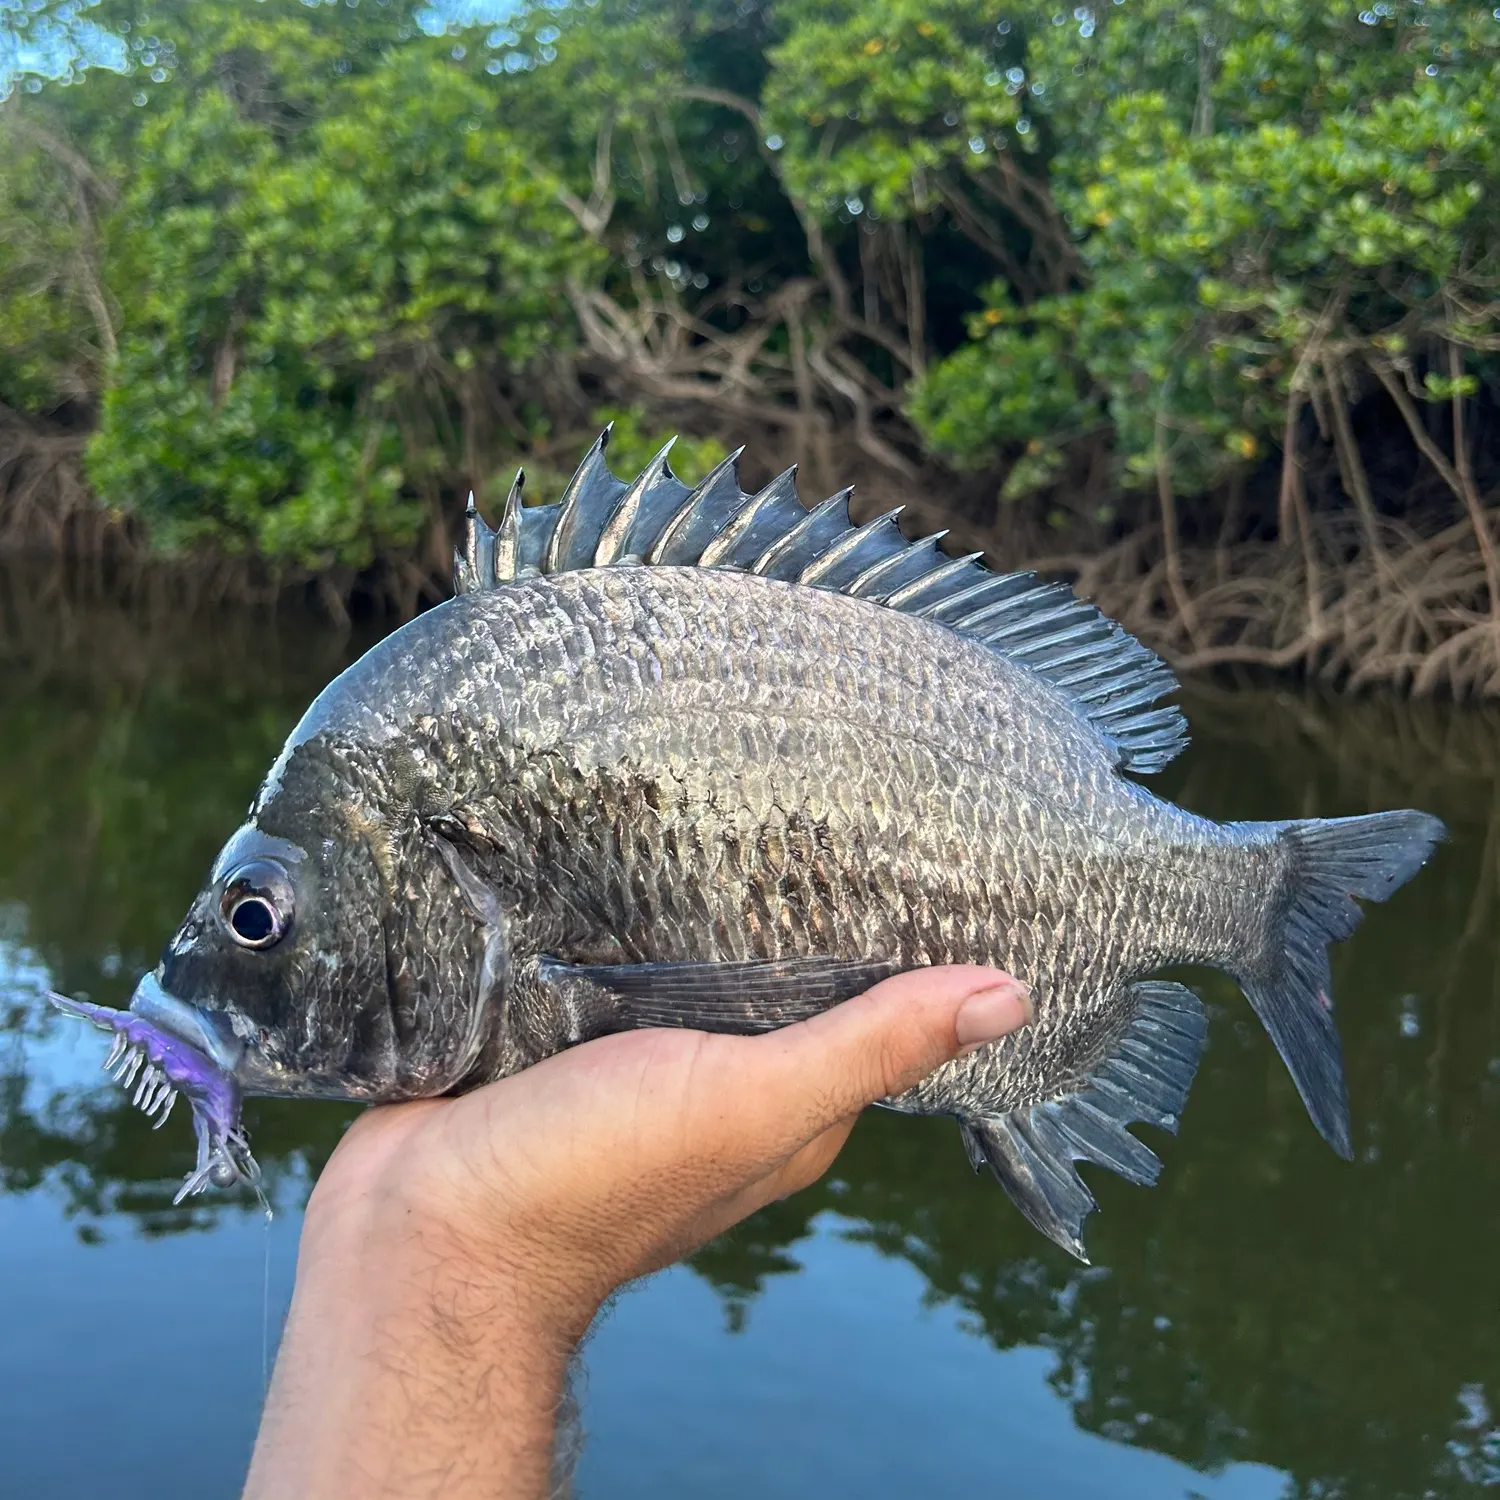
738 998
1031 1150
1055 1202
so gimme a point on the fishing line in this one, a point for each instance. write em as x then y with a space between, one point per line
265 1299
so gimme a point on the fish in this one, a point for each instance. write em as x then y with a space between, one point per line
694 757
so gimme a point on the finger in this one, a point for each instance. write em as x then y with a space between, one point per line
809 1163
801 1170
814 1074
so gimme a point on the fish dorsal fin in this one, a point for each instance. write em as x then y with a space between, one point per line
602 521
1146 1077
587 505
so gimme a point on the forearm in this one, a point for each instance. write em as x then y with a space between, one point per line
408 1369
455 1250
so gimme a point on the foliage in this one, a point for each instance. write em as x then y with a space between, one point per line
323 241
49 344
879 103
1270 195
313 271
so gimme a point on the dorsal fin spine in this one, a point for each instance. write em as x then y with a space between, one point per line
742 522
508 532
867 584
805 537
1130 702
992 588
850 542
572 522
1114 695
938 583
466 558
612 539
719 489
1093 672
1027 625
1067 648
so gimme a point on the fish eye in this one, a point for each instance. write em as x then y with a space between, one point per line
256 906
253 921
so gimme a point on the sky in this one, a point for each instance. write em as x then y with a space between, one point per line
45 41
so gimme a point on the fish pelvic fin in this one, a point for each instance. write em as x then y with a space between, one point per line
1333 860
1031 1150
1114 682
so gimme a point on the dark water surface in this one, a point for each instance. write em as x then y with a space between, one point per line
1267 1322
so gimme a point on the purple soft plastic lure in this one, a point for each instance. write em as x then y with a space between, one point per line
161 1065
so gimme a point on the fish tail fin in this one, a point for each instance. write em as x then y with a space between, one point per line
1333 860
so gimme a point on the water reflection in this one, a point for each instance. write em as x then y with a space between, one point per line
1266 1304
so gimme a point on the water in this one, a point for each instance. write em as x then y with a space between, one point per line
1267 1322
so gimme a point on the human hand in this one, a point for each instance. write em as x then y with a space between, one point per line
455 1250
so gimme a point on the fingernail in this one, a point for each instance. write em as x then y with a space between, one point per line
992 1013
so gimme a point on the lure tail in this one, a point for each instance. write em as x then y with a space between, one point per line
1333 861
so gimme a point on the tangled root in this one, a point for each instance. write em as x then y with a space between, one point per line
1413 613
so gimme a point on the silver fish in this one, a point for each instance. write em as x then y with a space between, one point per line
699 758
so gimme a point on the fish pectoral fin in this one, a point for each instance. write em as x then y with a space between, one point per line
1146 1078
738 998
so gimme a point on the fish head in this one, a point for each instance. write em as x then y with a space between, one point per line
279 965
327 955
275 982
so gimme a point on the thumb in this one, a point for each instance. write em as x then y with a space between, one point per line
821 1071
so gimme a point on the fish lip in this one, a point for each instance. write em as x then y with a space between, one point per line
209 1034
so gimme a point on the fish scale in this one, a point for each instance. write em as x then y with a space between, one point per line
687 756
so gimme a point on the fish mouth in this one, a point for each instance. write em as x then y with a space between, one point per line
163 1047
